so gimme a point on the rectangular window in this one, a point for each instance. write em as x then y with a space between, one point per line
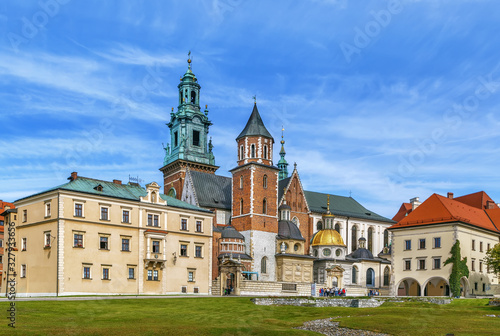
103 243
1 259
23 271
47 239
25 215
437 263
437 242
184 289
407 265
475 285
153 275
131 273
125 244
484 287
421 244
196 138
191 276
126 216
488 248
153 220
156 246
78 210
104 213
473 265
24 244
480 246
197 251
184 250
481 267
407 245
105 273
199 227
176 139
86 272
184 224
78 240
1 243
47 209
421 264
473 245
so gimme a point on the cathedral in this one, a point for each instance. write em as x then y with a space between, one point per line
270 235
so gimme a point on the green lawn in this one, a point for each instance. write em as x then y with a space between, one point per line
239 316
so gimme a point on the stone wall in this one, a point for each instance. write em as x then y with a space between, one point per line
268 288
357 303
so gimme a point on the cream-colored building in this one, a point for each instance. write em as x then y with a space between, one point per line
97 237
422 241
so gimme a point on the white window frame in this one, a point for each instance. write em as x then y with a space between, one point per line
24 271
45 235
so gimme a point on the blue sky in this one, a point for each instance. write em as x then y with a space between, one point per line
386 100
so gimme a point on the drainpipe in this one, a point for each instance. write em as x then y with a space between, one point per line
58 239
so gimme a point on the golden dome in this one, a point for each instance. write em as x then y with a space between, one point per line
327 237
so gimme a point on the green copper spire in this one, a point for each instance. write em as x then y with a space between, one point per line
189 125
282 164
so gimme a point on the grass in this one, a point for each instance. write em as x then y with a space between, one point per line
239 316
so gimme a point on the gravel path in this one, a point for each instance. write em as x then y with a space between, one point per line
329 328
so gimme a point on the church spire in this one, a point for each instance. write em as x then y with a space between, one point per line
282 164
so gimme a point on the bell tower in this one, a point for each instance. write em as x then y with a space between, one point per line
255 195
189 145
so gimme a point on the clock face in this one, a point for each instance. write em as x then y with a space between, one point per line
327 252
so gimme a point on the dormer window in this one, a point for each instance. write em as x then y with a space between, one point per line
98 188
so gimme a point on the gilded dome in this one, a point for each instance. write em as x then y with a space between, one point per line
327 237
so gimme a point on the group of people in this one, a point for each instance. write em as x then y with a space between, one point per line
335 291
374 292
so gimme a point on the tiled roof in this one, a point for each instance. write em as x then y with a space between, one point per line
212 191
282 184
405 209
478 200
341 206
255 126
129 191
439 209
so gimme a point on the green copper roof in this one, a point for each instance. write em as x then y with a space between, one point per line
129 191
341 206
255 126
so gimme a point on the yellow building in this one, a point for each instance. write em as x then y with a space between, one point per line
97 237
422 241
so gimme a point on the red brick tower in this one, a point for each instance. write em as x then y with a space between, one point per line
255 194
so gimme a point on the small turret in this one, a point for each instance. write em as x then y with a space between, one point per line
282 164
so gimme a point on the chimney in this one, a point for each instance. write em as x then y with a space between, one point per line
117 181
74 176
490 204
415 202
450 195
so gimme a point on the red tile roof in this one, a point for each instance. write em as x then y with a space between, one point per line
405 209
478 200
439 209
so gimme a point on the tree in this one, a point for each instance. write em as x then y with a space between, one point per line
458 270
492 259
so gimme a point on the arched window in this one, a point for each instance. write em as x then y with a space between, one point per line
370 239
354 275
370 277
295 220
386 238
252 150
241 182
193 97
265 151
264 181
354 236
263 265
386 276
264 206
241 206
337 227
319 225
241 153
